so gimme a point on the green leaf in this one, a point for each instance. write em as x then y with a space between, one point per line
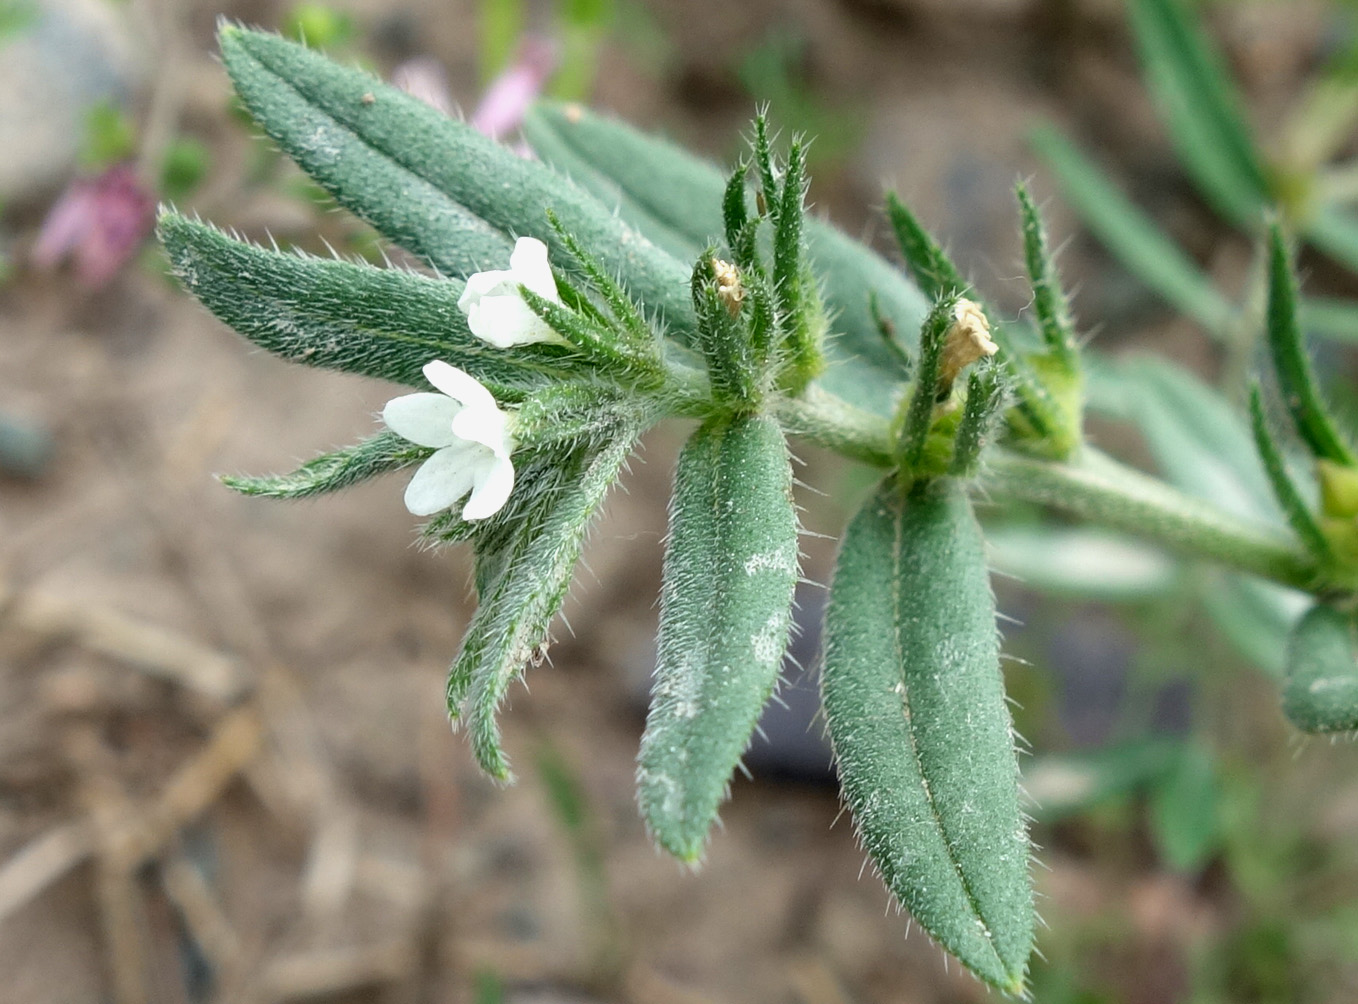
660 187
330 472
429 183
1334 231
922 736
1330 317
1254 616
725 611
1081 563
521 594
1296 377
1197 101
1059 785
338 315
1131 236
1184 819
1285 490
1320 694
1200 443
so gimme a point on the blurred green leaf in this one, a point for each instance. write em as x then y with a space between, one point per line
110 136
16 17
1131 236
774 75
1199 441
185 163
1081 562
1254 616
501 25
1184 820
1057 786
1197 100
318 25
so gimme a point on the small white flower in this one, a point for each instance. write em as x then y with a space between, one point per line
496 312
472 444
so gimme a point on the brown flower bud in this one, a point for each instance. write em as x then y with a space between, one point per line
730 291
967 340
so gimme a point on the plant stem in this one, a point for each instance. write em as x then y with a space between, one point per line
1109 494
1092 486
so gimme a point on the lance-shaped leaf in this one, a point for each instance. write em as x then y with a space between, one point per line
1295 374
523 574
725 602
665 186
1131 235
1321 691
1195 97
338 315
922 736
1285 490
432 184
330 472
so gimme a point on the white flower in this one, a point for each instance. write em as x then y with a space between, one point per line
496 312
472 444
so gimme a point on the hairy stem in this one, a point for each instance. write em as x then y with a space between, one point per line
1092 486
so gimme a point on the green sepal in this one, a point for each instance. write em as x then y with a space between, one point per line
332 471
1296 377
922 736
522 579
338 315
733 370
1285 490
736 218
1320 694
1037 418
1338 489
626 311
918 415
1049 299
987 393
664 188
725 613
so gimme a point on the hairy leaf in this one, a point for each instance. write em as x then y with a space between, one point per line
523 582
432 184
330 472
1321 691
1296 376
922 736
337 315
725 611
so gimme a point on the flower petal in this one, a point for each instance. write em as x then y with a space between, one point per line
425 419
442 479
494 482
530 267
488 427
505 321
481 284
458 384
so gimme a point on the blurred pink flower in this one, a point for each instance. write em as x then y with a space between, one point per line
423 77
99 223
507 98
